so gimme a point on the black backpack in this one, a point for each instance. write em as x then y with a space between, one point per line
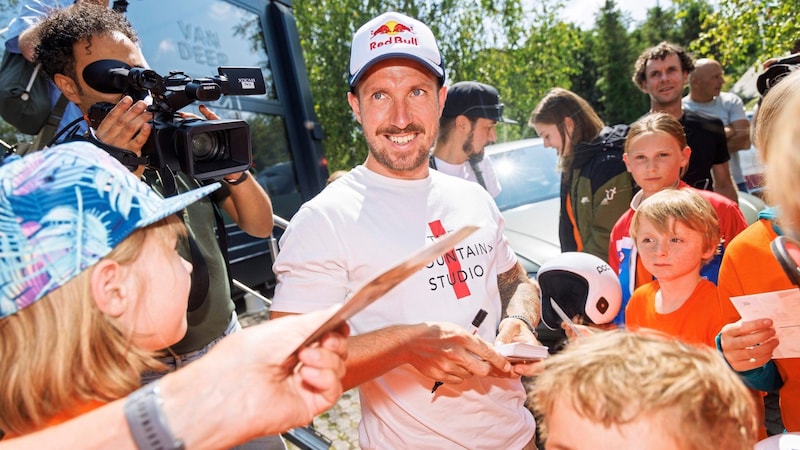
613 137
610 143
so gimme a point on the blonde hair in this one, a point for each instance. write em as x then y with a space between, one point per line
703 403
661 123
777 136
66 352
665 209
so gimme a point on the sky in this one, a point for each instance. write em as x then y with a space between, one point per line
582 12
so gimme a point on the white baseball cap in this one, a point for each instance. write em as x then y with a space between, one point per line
394 35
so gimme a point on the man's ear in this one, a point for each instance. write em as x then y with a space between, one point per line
354 105
463 124
442 98
109 291
67 87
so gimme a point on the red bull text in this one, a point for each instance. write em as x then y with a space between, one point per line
391 29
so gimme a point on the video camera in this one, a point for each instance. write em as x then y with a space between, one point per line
204 149
776 72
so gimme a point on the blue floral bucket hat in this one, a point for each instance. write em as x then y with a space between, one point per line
62 210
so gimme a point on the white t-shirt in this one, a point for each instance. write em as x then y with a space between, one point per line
364 223
464 170
728 107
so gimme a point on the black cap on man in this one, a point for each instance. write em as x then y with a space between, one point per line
474 100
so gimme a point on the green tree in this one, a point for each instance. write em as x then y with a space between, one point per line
742 33
545 57
658 26
690 15
488 41
619 99
584 82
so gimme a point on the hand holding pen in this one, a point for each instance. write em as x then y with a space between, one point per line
472 329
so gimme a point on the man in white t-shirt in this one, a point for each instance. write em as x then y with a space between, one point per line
382 211
705 86
467 126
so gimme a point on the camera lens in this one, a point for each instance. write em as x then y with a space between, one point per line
207 147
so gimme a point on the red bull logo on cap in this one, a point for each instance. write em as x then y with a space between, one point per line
392 30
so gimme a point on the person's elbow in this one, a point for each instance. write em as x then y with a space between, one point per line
260 228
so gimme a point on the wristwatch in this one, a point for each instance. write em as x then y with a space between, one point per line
239 180
527 322
146 420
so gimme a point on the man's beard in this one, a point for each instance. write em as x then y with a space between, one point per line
469 149
400 162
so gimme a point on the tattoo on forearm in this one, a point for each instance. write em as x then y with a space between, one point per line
519 295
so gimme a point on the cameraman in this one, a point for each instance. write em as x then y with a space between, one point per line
74 37
21 37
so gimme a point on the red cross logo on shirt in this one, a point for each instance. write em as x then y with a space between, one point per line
460 287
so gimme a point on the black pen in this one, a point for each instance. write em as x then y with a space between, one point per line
473 329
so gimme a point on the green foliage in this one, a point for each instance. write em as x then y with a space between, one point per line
614 58
743 33
524 48
488 42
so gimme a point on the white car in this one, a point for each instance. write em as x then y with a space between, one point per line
529 199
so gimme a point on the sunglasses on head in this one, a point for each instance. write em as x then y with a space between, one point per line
787 252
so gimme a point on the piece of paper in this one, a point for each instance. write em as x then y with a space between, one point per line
783 307
521 351
384 282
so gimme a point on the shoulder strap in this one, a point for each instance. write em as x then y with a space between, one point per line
222 241
50 127
478 172
199 286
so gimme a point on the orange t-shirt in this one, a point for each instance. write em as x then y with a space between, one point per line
748 267
64 416
697 321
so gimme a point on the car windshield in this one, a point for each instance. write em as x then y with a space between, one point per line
528 173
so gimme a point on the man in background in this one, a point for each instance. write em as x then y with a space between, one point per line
662 72
706 96
467 126
21 37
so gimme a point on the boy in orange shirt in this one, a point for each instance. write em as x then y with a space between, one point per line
656 155
676 232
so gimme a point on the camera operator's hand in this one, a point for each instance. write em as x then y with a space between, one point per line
126 126
208 114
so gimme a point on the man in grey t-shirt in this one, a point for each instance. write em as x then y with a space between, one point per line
705 86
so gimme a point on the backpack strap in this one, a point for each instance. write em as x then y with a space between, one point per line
478 172
50 127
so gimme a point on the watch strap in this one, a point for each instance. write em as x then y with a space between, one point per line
147 422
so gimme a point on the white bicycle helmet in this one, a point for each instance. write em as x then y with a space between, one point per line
583 285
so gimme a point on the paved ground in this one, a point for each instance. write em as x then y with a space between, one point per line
340 423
